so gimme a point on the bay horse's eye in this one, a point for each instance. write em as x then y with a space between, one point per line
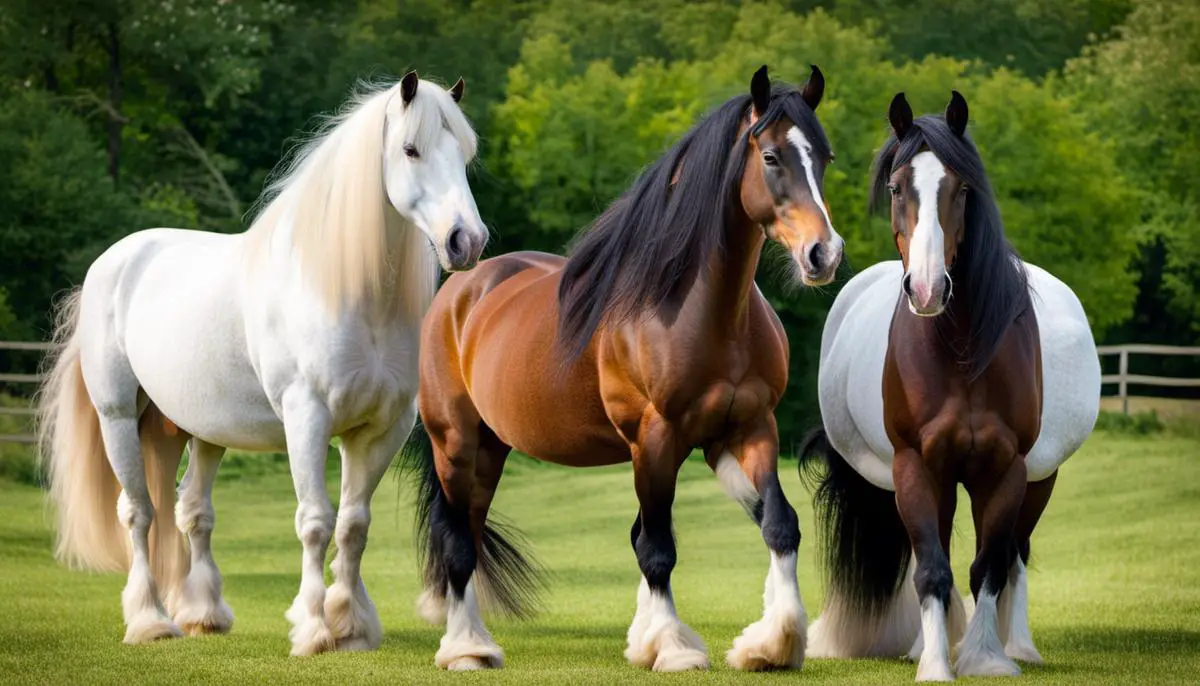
770 158
411 151
962 190
894 188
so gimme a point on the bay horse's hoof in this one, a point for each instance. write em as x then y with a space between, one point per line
770 643
150 627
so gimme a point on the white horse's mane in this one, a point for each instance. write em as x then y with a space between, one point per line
352 247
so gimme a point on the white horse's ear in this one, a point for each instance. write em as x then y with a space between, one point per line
456 91
408 86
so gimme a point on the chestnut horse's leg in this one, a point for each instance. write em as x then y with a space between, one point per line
657 638
778 639
918 494
1014 602
467 643
996 497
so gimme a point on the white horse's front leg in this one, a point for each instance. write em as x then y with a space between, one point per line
199 608
1014 617
307 426
348 609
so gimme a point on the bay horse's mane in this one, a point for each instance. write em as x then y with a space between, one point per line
995 280
644 252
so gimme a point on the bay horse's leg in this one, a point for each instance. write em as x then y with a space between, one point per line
657 638
307 426
1014 602
467 643
365 458
996 497
778 639
200 609
918 495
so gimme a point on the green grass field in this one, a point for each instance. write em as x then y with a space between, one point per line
1115 583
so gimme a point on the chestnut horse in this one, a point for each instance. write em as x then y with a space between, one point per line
650 340
984 372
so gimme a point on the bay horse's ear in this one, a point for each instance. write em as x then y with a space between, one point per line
901 116
456 91
408 86
760 91
956 113
814 88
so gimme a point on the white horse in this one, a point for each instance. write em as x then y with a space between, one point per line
302 328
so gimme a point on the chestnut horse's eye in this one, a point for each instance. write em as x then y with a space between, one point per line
770 158
894 188
411 151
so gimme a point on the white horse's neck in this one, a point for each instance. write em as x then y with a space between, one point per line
332 217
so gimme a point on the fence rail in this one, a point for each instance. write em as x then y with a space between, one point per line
1123 378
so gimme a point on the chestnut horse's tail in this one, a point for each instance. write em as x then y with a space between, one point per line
864 545
507 579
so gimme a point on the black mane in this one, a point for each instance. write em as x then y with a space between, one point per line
996 283
644 252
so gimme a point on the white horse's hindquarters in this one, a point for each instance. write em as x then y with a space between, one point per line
176 310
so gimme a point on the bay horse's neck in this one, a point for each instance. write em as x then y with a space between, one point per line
723 297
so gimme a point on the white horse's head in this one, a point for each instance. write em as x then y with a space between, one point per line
427 146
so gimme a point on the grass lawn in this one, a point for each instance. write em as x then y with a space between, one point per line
1115 584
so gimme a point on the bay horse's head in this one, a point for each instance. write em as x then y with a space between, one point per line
784 172
928 199
428 144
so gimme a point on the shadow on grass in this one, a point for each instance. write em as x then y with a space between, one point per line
1132 641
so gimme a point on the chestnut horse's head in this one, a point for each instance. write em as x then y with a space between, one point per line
783 178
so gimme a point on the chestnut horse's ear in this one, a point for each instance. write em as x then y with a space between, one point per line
956 113
814 88
456 91
760 91
901 116
408 86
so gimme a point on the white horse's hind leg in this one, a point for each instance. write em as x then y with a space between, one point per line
348 609
145 619
307 425
199 608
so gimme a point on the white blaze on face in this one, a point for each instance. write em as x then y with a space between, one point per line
797 138
926 248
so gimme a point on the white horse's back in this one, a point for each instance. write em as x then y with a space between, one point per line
854 346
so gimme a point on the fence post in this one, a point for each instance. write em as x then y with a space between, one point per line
1122 389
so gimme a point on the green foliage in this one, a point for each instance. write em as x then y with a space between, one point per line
1137 424
1141 91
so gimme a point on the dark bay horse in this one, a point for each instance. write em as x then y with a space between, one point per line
651 339
958 364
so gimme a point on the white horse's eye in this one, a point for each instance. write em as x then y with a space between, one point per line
894 188
411 151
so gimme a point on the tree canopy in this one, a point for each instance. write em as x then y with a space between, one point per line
118 115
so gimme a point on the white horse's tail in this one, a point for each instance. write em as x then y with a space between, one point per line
82 486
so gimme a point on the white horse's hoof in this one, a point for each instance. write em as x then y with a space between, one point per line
354 623
934 671
1024 652
311 637
196 620
469 654
671 647
469 663
150 627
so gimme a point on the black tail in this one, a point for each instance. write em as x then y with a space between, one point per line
864 545
507 578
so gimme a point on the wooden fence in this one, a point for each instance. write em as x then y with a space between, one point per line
22 379
1123 378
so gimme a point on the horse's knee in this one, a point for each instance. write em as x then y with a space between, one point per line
314 525
933 578
352 524
780 525
134 514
